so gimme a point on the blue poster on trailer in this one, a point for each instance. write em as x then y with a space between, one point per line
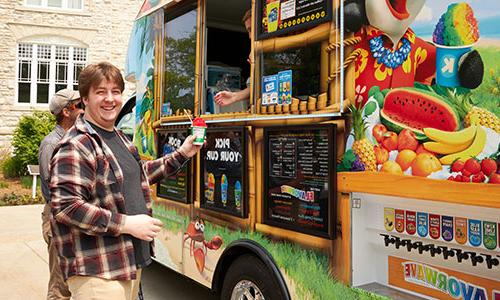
270 89
475 232
285 87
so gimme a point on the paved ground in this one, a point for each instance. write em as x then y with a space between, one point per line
24 262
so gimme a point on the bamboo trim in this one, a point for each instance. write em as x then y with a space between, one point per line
158 65
172 204
294 236
341 262
252 178
198 65
323 65
222 219
347 42
475 194
346 64
259 180
229 115
253 71
333 86
314 35
174 118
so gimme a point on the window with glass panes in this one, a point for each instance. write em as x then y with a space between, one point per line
64 4
45 69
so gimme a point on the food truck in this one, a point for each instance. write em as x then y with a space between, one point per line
364 163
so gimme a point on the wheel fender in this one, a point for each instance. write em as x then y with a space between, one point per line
246 246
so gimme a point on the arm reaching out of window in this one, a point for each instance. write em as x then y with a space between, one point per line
224 98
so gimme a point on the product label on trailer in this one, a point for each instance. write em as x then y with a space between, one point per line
411 223
434 226
490 235
475 232
389 218
423 224
447 228
461 230
400 220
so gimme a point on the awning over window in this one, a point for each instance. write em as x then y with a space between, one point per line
150 6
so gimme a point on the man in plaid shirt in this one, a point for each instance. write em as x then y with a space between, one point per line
100 196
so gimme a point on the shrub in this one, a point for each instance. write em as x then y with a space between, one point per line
4 155
12 168
27 182
14 199
28 135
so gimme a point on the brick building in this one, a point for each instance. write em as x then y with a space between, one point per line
45 43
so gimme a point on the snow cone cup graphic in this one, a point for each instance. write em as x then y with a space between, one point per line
223 189
447 61
455 34
199 130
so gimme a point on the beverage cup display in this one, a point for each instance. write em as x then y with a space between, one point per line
447 60
199 131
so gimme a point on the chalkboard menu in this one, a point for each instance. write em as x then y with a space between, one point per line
299 178
177 186
283 16
223 171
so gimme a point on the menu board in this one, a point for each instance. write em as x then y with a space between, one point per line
176 186
300 178
223 170
282 16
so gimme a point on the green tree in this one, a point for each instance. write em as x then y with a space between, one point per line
179 74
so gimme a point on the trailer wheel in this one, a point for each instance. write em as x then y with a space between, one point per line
248 278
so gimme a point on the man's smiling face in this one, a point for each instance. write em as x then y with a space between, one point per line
103 104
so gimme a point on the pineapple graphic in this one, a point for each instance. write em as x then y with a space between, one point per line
473 115
361 146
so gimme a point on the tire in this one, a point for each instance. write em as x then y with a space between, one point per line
248 278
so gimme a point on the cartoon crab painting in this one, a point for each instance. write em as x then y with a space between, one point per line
198 245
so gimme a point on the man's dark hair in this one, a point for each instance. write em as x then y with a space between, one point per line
94 74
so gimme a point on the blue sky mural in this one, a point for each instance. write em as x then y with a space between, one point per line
486 12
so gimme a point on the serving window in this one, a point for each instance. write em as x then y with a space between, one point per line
228 45
295 73
180 58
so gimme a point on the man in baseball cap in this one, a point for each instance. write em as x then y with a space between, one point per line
66 106
61 99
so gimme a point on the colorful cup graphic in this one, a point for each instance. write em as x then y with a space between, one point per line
223 189
237 194
272 16
447 59
210 189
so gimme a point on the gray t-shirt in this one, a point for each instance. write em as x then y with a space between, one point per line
45 152
135 203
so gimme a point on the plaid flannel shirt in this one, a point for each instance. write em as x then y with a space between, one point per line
88 206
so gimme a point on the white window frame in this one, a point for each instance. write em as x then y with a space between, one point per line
70 81
64 5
